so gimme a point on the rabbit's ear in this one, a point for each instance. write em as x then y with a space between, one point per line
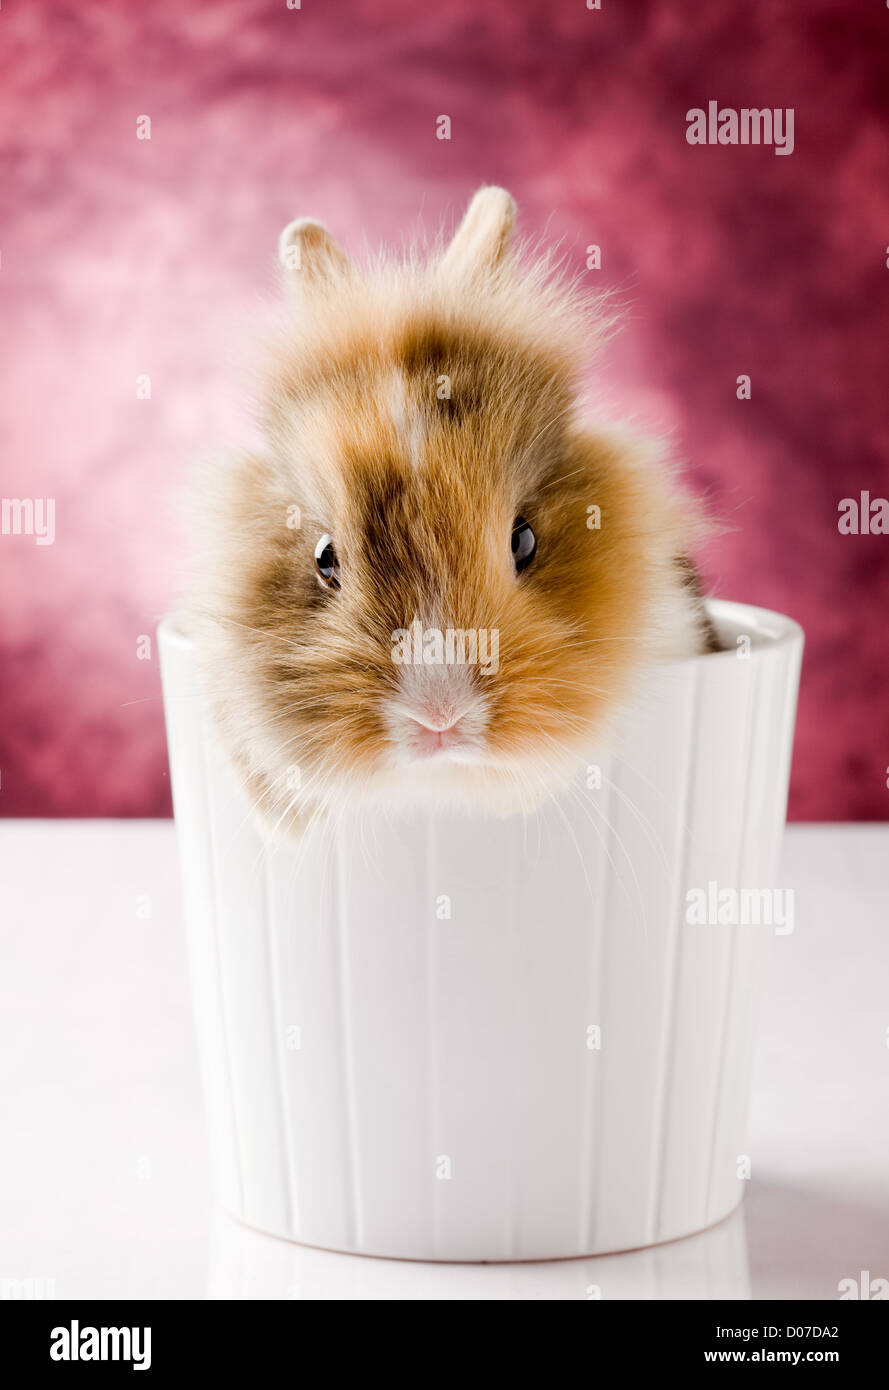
482 239
310 256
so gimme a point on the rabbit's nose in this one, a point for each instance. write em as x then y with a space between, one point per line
436 718
426 741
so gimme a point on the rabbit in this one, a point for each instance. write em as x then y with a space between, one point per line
434 581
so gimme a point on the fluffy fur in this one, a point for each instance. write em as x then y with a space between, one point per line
412 412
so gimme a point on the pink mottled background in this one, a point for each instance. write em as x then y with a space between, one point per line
123 256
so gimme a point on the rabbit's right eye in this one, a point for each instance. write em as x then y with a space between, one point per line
524 544
326 563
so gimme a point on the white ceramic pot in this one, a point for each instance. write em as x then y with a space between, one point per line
453 1038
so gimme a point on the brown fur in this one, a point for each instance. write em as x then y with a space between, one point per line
419 492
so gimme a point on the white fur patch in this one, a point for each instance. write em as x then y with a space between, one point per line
407 418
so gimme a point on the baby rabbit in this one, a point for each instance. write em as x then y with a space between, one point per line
433 580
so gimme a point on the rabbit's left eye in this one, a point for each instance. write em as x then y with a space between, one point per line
327 564
524 544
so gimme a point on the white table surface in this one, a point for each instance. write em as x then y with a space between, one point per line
103 1157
